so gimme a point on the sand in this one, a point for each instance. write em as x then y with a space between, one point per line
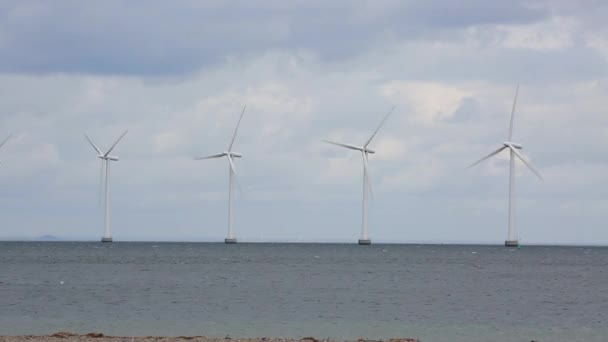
97 337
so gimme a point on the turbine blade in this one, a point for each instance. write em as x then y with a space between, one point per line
526 163
379 126
116 143
367 175
236 129
92 144
513 113
488 156
231 164
219 155
352 147
5 140
233 170
101 179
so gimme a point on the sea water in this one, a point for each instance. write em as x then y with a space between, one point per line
341 291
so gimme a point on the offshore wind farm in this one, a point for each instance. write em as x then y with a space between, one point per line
512 239
364 149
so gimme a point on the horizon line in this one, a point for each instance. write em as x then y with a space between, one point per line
320 242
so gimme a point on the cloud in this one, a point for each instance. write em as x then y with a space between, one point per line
427 101
556 33
118 37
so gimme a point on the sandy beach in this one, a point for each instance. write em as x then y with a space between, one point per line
98 337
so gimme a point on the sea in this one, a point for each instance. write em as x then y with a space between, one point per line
339 291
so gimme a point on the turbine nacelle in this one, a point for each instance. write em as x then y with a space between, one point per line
512 144
233 154
106 156
113 158
369 151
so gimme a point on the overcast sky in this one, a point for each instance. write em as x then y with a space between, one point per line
176 74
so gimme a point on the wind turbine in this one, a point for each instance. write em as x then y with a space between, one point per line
105 164
367 187
512 147
230 155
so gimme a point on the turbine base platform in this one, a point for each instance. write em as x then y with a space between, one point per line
230 241
106 239
365 242
512 243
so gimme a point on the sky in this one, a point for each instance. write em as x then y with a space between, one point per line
176 74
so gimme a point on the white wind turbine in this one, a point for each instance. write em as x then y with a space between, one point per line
105 164
230 155
512 148
367 187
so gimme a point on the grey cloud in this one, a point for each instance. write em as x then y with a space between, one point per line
161 38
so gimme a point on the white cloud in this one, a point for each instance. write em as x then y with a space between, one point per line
429 101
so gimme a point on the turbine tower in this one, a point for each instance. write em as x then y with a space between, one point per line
367 186
512 147
230 155
105 164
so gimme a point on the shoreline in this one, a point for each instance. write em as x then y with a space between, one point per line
99 337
